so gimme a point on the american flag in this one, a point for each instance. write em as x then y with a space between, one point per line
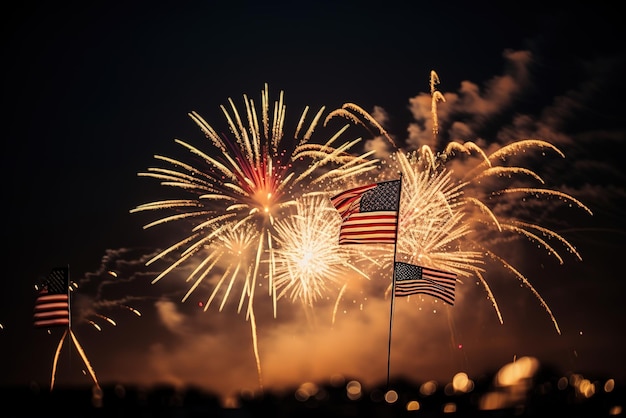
52 307
369 213
411 279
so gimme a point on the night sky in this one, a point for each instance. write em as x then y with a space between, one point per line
90 93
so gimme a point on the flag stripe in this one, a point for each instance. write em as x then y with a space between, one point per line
50 314
373 218
369 213
411 279
48 298
372 240
424 282
414 287
344 200
58 322
43 307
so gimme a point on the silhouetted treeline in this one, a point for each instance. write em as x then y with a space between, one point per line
544 395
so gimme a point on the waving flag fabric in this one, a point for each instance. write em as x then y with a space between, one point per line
369 213
52 307
411 279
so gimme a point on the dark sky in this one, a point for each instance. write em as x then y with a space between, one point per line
90 93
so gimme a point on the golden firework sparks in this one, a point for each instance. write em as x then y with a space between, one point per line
454 203
237 189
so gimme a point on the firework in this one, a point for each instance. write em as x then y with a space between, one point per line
453 205
230 196
310 263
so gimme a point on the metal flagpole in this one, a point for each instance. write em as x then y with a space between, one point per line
69 299
69 315
393 281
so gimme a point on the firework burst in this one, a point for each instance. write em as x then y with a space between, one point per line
310 263
232 195
456 204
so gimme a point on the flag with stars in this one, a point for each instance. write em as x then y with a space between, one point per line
369 213
52 306
411 279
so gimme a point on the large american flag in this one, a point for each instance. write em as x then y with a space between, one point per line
52 307
411 279
369 213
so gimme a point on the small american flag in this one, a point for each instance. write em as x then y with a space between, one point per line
369 213
52 307
411 279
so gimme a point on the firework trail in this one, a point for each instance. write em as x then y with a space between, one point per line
452 209
435 97
80 350
92 312
97 294
230 196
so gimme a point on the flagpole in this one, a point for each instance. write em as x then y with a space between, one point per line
393 281
69 300
69 313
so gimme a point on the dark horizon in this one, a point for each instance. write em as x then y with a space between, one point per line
543 392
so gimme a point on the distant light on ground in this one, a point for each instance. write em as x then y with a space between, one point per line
391 396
